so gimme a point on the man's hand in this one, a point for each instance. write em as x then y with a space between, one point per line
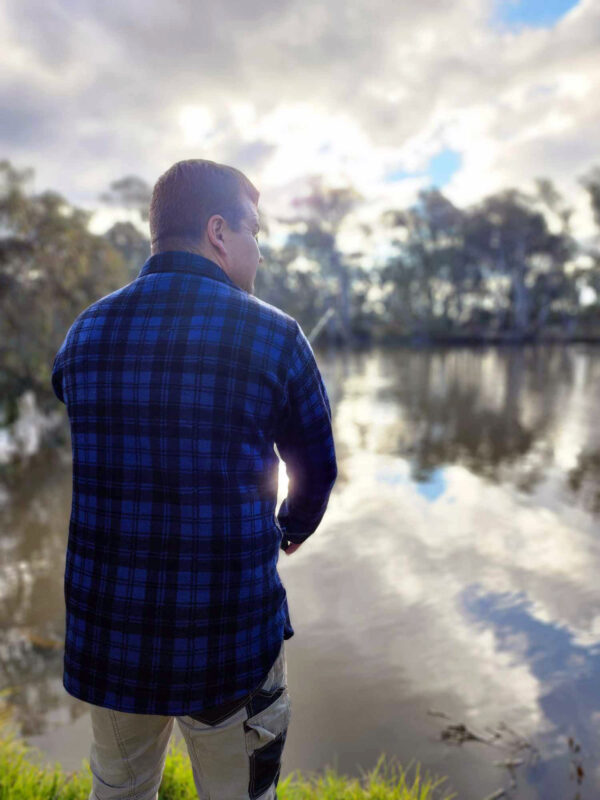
291 548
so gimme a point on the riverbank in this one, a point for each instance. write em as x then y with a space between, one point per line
22 779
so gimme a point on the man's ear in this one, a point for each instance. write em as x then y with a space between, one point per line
214 232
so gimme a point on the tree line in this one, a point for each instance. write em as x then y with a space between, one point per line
506 269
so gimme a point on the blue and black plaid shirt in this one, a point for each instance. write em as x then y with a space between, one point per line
177 386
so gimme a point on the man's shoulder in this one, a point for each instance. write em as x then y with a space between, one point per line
263 312
96 308
271 313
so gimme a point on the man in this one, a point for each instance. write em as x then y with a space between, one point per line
177 387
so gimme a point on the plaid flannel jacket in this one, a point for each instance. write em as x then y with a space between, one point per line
177 386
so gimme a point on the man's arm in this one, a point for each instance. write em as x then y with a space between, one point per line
305 442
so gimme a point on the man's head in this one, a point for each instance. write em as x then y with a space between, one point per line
209 209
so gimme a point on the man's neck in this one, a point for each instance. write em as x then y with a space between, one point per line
174 244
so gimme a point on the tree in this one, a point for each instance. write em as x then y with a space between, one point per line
131 192
511 239
591 182
51 268
428 280
133 246
322 211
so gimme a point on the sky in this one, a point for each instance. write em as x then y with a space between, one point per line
390 96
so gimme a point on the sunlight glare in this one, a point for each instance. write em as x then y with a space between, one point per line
196 123
282 489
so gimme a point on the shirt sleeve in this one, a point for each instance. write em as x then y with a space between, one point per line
305 443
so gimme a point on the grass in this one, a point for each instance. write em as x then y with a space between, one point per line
22 779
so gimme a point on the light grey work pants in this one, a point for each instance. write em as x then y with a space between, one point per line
239 758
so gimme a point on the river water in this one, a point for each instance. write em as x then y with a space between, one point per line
453 581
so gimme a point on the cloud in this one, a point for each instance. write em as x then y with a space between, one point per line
285 89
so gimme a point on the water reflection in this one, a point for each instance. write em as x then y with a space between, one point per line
568 672
456 569
34 526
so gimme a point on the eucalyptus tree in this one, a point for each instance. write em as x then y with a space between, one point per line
51 268
320 214
429 280
509 235
591 182
130 192
131 243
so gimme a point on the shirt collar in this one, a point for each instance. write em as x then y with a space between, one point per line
184 261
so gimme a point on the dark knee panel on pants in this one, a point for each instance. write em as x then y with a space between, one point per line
266 730
265 766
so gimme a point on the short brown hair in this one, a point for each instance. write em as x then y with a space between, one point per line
186 196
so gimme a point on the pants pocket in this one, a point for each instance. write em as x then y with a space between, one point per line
269 714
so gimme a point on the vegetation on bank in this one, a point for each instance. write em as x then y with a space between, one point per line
506 269
22 779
